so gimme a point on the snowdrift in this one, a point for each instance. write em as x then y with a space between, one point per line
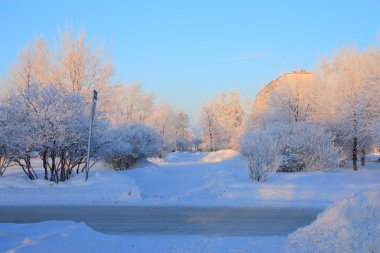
69 236
349 225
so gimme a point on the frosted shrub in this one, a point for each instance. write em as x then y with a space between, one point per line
261 153
130 143
306 147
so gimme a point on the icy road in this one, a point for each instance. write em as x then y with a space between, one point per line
166 220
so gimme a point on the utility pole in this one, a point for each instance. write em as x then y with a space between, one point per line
94 99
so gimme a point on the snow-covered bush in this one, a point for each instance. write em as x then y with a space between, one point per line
306 147
6 154
5 158
262 155
130 143
52 122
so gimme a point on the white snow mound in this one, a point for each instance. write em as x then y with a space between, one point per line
349 225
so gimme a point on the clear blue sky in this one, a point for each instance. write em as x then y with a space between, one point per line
186 52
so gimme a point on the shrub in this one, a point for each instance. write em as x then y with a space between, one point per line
130 143
261 153
305 147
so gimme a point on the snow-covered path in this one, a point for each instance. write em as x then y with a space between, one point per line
175 220
189 179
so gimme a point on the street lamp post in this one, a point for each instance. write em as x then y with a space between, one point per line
94 99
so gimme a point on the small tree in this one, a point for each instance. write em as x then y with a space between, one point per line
261 153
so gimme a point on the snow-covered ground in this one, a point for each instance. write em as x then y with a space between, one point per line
217 178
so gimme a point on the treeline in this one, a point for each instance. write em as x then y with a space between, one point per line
339 101
305 122
318 122
45 112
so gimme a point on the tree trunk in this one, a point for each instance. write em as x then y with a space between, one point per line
355 154
363 157
53 167
211 139
28 163
44 164
64 172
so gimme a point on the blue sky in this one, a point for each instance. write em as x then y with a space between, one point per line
186 52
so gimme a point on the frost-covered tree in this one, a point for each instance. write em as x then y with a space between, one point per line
262 154
223 120
212 135
74 64
130 104
130 143
233 115
81 67
354 99
163 121
53 122
292 100
182 130
33 66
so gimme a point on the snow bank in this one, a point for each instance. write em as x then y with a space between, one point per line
68 236
220 156
350 225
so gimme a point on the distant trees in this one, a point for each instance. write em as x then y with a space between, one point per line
212 135
163 121
223 120
183 133
130 104
307 121
45 112
340 103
